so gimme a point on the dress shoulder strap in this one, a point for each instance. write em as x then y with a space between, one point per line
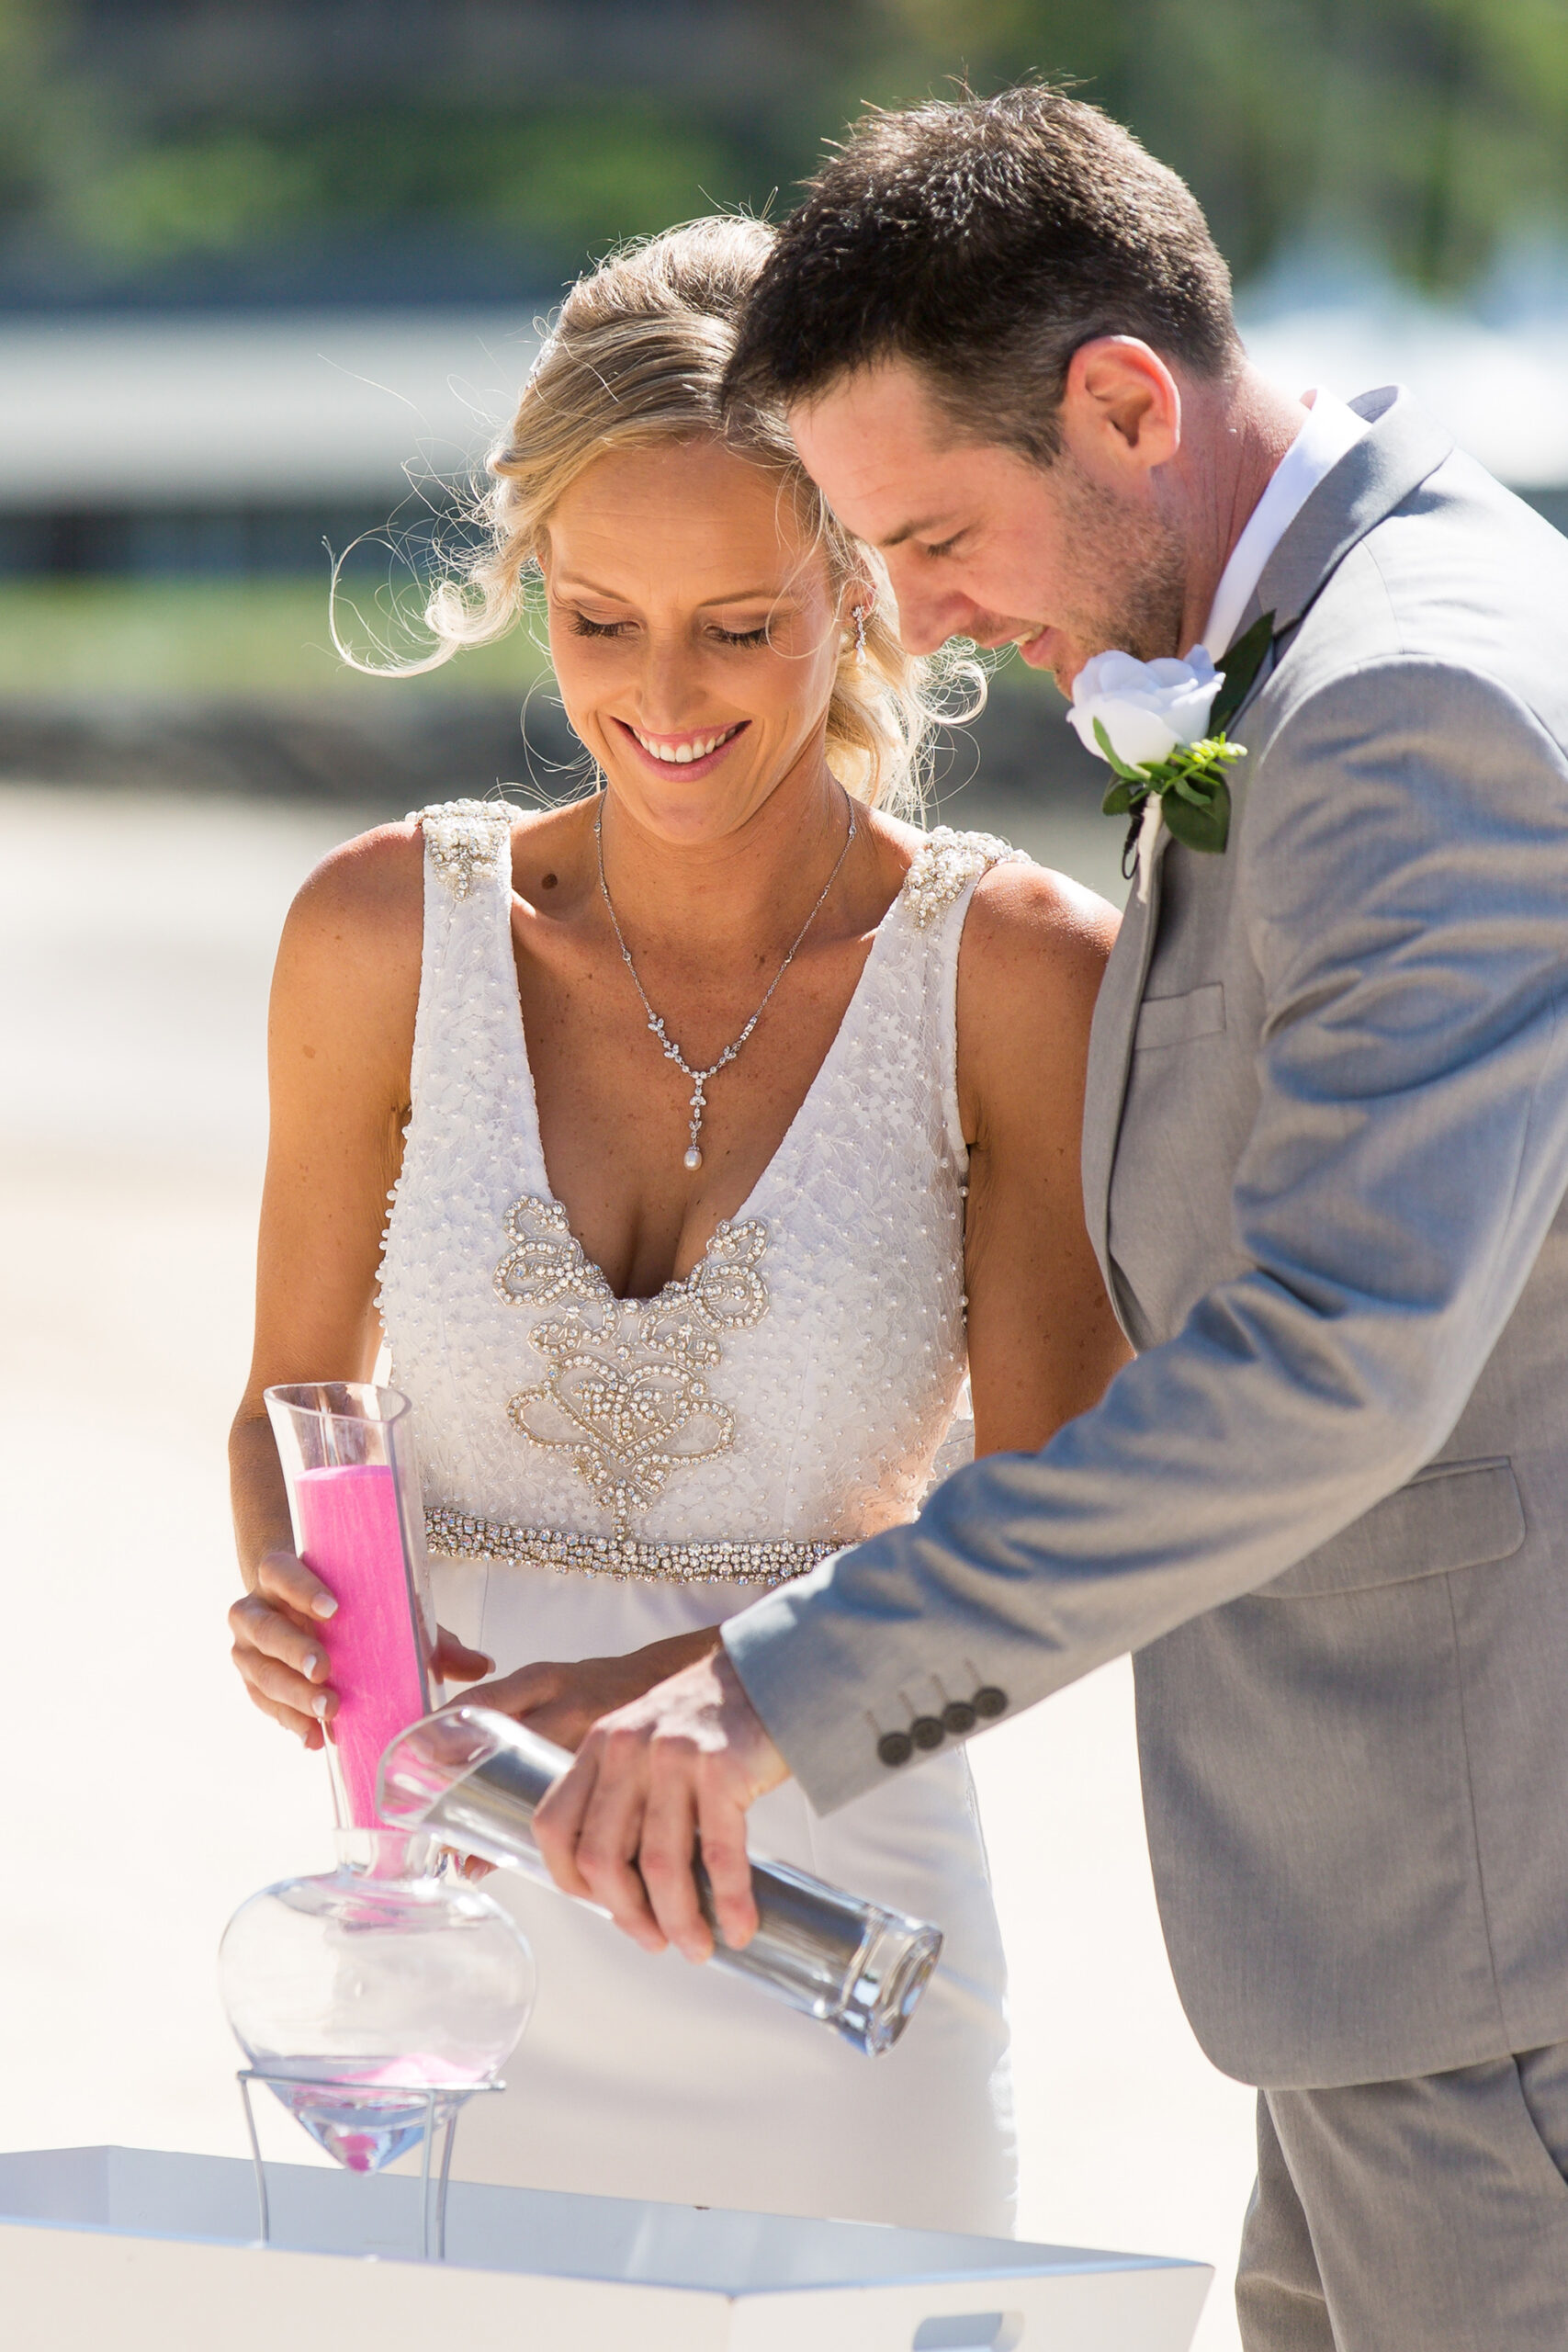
465 840
946 865
467 987
935 901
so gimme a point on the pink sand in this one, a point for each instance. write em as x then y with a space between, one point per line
420 2071
350 1536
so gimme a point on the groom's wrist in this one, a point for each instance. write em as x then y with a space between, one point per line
804 1693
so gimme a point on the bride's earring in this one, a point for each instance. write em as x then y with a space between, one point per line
859 635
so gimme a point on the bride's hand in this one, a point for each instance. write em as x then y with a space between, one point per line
282 1659
562 1703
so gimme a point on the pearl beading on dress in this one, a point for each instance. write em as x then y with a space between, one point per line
726 1560
628 1394
841 1377
467 839
946 864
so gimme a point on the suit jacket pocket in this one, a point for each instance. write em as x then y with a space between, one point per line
1176 1020
1451 1515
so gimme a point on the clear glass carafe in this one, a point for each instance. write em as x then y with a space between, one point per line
474 1777
376 2000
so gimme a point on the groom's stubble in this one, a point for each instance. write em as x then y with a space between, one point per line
1127 564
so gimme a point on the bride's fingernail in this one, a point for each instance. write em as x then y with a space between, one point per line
323 1605
319 1707
307 1665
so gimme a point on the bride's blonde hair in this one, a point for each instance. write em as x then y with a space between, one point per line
637 355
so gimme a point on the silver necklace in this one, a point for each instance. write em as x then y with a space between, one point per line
699 1078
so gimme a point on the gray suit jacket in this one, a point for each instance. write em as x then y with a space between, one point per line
1327 1506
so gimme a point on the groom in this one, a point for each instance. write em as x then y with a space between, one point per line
1324 1164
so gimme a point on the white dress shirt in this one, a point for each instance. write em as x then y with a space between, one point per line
1330 428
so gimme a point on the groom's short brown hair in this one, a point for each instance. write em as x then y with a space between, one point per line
985 240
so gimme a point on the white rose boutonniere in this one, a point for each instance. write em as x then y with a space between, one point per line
1161 726
1146 707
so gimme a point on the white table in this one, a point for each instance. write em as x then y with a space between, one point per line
131 2250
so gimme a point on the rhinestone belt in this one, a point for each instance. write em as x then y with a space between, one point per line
454 1537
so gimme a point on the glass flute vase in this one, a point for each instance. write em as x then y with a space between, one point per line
348 1461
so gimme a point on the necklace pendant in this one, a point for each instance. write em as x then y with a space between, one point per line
692 1158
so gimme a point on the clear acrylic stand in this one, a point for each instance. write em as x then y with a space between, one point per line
435 2101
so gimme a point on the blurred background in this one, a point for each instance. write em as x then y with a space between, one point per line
270 275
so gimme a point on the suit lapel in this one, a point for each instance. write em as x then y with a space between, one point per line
1401 446
1110 1054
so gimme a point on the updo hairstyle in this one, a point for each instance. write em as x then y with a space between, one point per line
637 355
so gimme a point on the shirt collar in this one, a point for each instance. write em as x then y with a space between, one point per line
1330 428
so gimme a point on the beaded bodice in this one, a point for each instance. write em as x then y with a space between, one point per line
796 1385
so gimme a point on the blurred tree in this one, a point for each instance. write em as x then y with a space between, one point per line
45 112
174 147
1428 129
319 147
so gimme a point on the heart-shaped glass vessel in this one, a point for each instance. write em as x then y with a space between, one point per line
374 2000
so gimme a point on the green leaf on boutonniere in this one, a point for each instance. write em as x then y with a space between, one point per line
1190 787
1200 821
1238 670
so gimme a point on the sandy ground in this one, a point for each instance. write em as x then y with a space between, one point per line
146 1800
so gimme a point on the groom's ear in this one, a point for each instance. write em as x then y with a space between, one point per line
1121 407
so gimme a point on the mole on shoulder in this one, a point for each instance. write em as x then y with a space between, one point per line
548 882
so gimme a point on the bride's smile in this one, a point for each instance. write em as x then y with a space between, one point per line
694 634
683 751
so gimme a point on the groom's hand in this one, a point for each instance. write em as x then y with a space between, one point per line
674 1771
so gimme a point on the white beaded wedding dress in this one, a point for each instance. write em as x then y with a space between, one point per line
600 1473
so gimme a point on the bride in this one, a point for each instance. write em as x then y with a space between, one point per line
725 1121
